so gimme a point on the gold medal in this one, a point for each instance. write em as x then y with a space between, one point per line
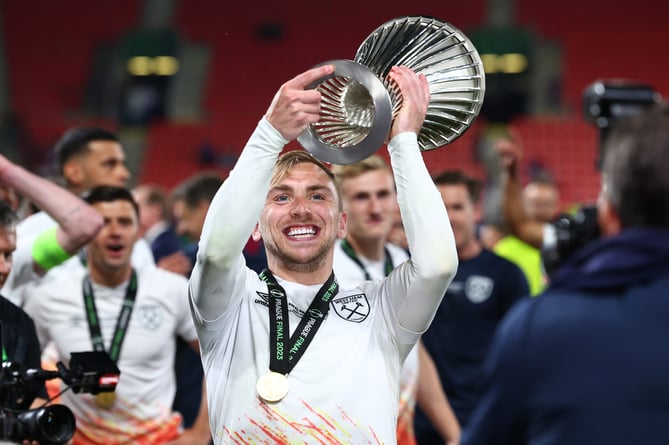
105 399
272 387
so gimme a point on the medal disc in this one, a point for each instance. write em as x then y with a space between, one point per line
272 387
105 399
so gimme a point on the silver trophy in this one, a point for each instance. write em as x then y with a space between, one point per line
358 104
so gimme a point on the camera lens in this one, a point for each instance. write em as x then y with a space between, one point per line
53 424
50 424
57 423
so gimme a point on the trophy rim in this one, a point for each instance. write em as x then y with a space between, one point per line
446 119
380 127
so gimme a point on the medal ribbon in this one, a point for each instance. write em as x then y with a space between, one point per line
284 355
121 322
348 250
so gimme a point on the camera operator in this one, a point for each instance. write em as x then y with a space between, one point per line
133 314
586 363
19 340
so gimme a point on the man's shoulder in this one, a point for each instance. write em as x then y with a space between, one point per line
63 276
141 255
551 314
35 224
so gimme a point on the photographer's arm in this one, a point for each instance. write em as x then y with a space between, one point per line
77 222
519 223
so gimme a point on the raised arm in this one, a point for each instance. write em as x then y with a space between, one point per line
519 223
77 222
434 259
236 207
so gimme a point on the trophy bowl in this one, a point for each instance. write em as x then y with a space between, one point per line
355 119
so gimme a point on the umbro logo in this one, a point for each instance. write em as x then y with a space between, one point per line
264 300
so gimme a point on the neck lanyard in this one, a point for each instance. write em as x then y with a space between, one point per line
348 250
284 357
121 322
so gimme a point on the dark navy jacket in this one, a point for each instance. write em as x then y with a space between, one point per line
587 363
481 293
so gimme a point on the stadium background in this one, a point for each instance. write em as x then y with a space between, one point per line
66 63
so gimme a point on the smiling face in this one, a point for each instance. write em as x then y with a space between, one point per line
110 251
301 221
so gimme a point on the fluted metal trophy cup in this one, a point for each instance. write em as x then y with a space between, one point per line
358 103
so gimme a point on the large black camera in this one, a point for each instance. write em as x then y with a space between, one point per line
90 372
604 103
567 234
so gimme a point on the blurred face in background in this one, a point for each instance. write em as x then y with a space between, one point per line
541 201
371 202
149 214
9 195
463 216
189 220
111 249
102 164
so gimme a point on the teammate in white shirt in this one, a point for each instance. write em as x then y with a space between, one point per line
138 314
336 379
370 202
87 157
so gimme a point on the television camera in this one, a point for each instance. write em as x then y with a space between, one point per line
604 103
90 372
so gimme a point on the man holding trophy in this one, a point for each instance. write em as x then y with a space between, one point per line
288 355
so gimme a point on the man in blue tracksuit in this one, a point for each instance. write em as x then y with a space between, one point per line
587 363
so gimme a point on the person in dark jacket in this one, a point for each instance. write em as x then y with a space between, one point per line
587 362
18 339
485 287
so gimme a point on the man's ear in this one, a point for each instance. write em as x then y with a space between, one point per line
255 235
607 217
341 229
73 173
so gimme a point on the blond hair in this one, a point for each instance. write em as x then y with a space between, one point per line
292 158
354 170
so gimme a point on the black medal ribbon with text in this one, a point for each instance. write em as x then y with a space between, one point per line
121 323
285 349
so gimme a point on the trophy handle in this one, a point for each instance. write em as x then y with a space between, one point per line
355 116
358 102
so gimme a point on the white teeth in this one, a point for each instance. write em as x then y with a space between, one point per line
302 231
